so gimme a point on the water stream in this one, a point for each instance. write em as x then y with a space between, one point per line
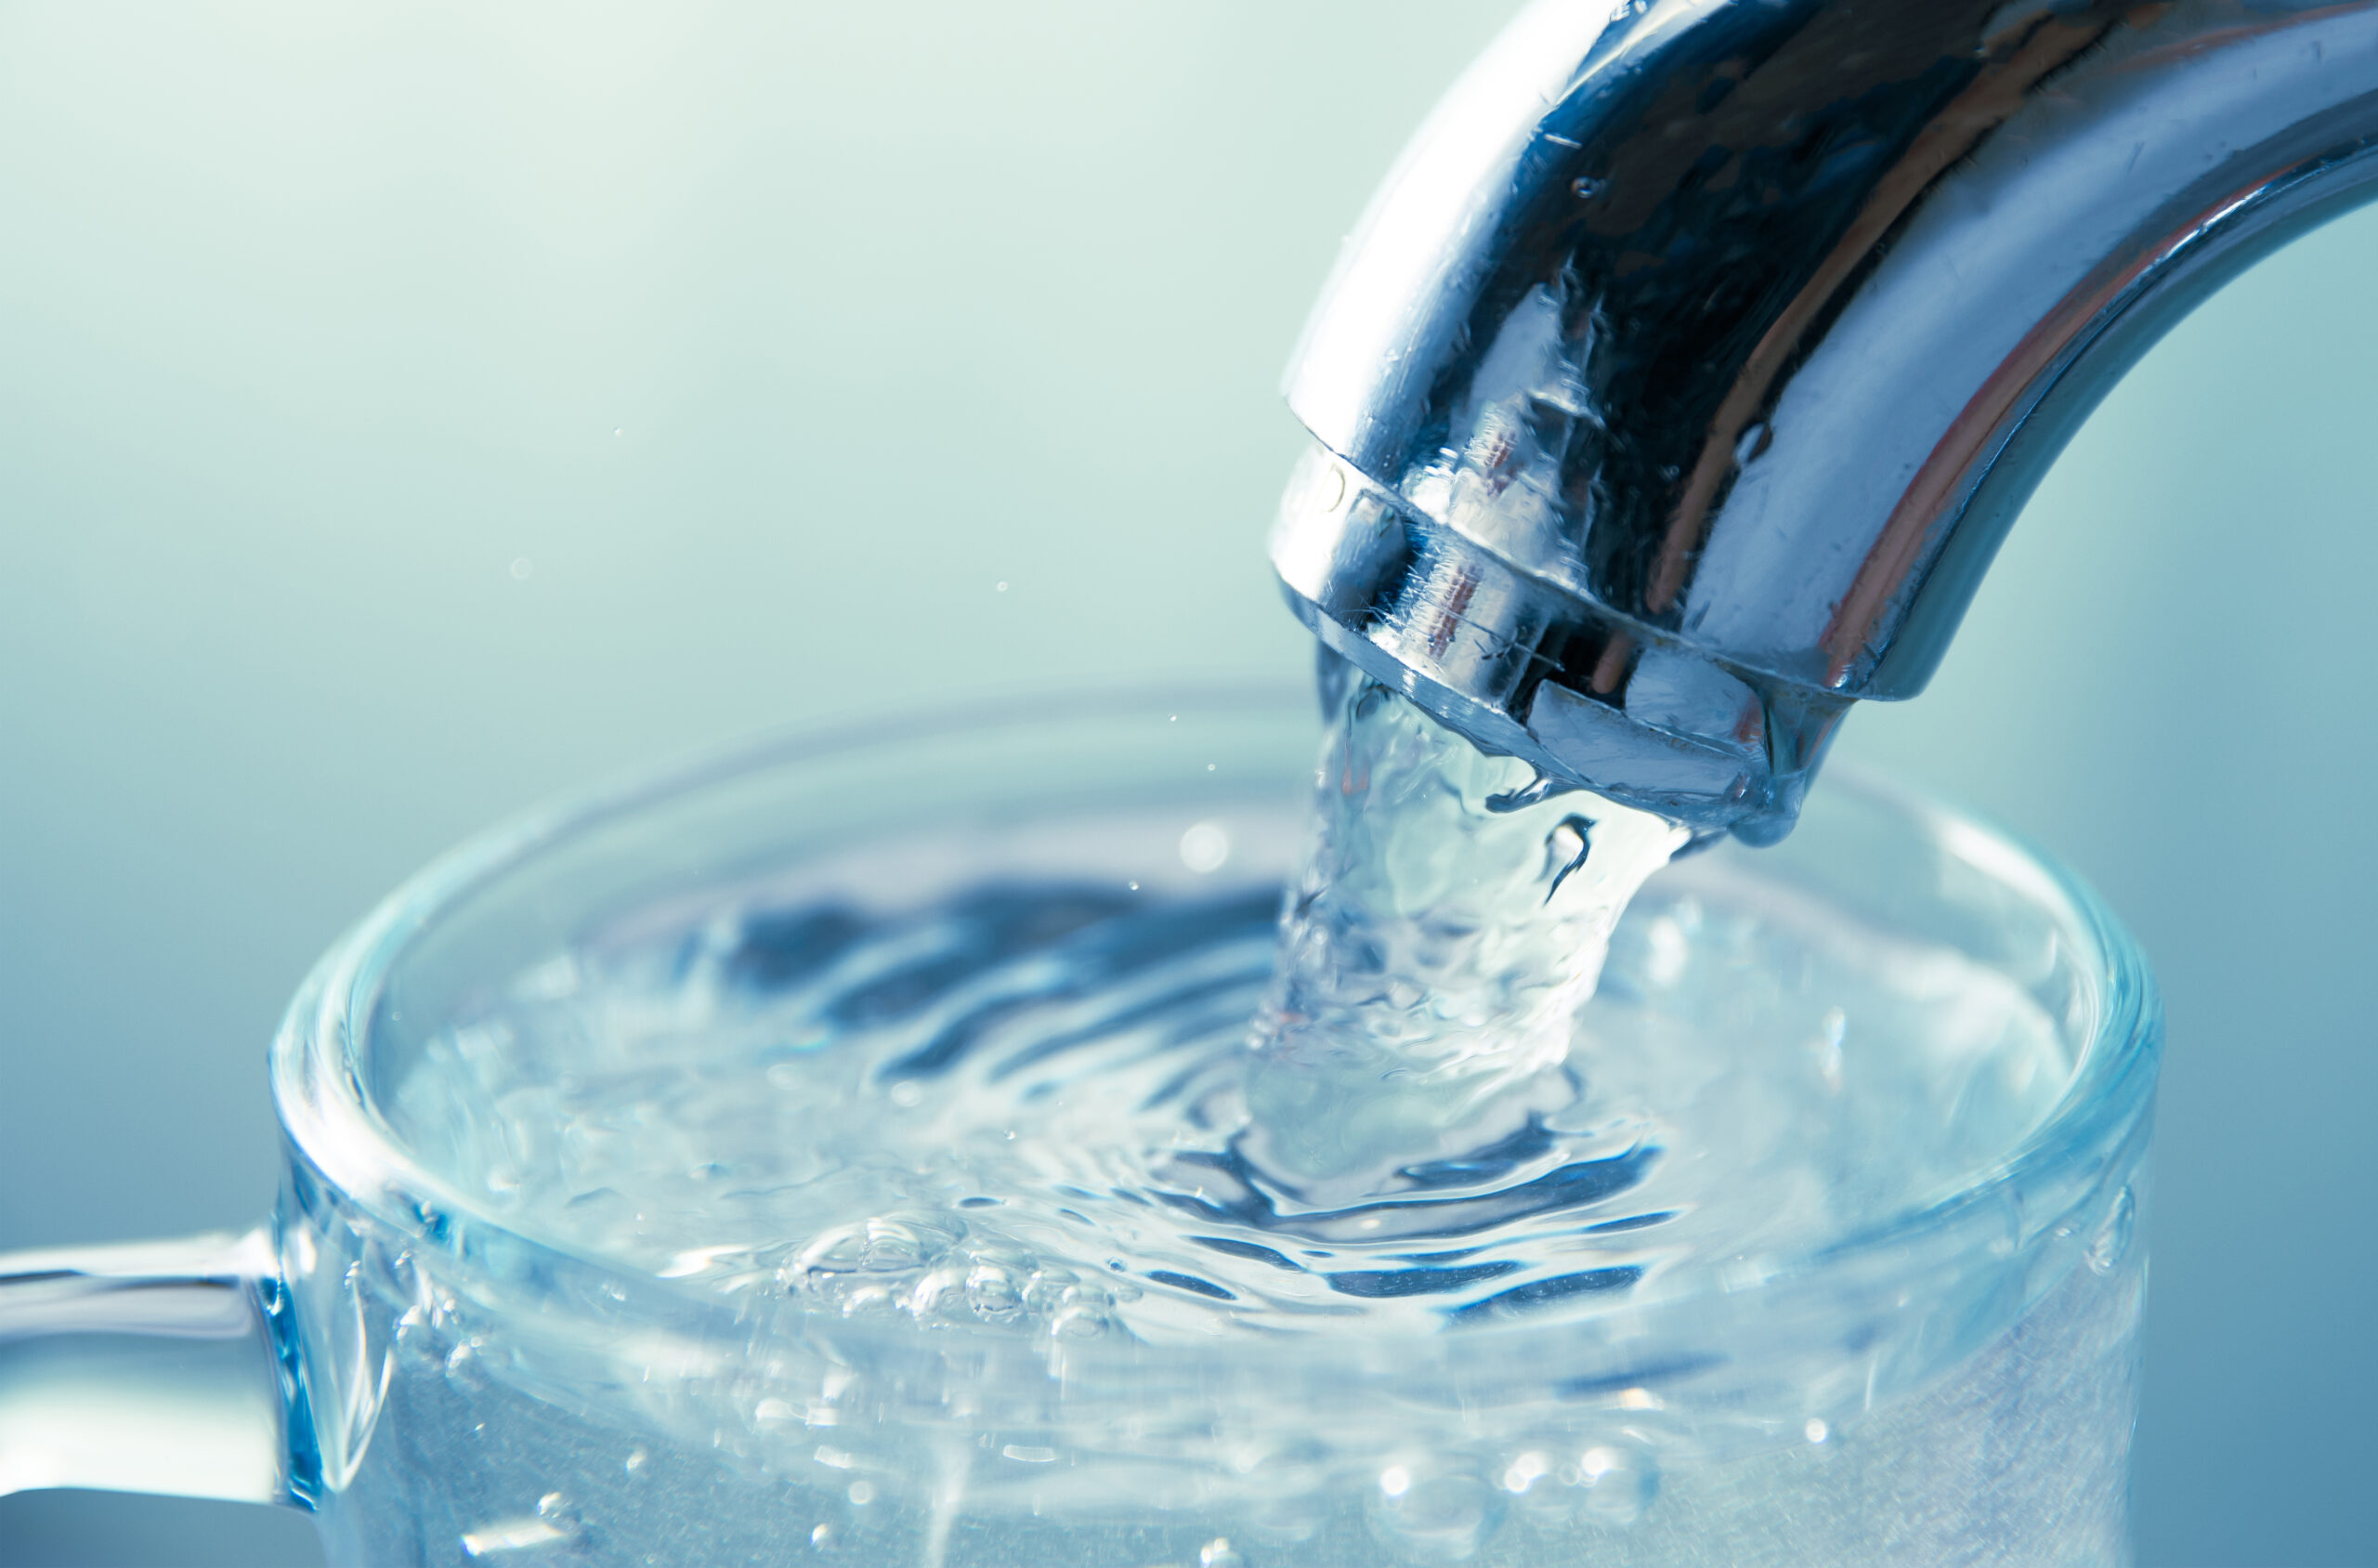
1450 919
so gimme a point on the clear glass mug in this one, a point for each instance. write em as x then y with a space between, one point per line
439 1382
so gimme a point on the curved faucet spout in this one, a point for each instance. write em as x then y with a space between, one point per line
1684 377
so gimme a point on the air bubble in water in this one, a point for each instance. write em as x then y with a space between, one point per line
941 1293
1669 950
888 1244
1047 1289
1533 1480
1433 1514
1220 1553
868 1301
2112 1243
899 1242
1553 1483
1286 1519
1618 1483
840 1250
1755 439
410 1333
1828 1048
465 1367
554 1522
996 1292
1079 1323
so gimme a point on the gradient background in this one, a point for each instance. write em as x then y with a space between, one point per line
770 338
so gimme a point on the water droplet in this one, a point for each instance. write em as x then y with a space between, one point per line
1816 1430
523 568
823 1538
1431 1513
1204 846
638 1462
862 1492
1585 187
1220 1553
2112 1243
1001 586
1209 767
907 1093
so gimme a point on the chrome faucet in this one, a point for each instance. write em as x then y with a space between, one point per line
1680 384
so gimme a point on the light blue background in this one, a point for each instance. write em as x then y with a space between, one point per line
770 338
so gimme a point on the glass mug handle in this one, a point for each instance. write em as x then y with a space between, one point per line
145 1368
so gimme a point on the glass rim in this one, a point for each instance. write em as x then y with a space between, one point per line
331 1124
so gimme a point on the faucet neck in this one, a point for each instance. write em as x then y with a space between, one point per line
1681 381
